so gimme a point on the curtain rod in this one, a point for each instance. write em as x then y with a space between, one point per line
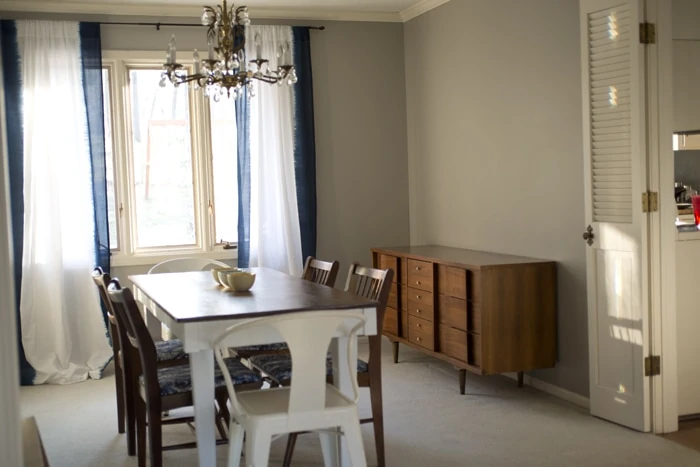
158 25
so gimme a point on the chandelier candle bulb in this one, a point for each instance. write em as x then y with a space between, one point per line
173 50
195 57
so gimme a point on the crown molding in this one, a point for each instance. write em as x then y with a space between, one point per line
193 10
419 8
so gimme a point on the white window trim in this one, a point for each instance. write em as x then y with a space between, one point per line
118 61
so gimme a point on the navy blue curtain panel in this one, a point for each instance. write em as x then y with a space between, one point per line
91 57
243 153
15 154
304 141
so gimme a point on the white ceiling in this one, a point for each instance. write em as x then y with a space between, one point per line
351 10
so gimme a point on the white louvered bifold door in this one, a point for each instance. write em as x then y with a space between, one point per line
615 177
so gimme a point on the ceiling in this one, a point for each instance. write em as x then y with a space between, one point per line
341 10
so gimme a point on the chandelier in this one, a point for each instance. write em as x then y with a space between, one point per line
225 71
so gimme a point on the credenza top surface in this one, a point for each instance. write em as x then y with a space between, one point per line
474 258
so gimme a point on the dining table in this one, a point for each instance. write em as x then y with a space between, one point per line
198 310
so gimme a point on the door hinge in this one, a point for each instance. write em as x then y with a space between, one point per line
650 201
652 365
647 33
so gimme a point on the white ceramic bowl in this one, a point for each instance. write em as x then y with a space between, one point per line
219 275
240 281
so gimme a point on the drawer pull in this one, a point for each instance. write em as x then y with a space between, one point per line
417 268
417 339
418 297
417 310
418 283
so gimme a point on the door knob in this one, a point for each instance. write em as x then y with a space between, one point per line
588 235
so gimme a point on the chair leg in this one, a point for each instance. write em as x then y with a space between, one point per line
219 424
121 409
140 415
375 393
289 452
221 401
155 435
330 447
235 444
130 399
395 348
257 448
353 438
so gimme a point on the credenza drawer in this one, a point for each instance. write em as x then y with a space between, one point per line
393 300
452 281
421 332
420 297
391 321
453 312
420 275
453 342
389 262
420 310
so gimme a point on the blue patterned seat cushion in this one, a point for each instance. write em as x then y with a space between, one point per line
173 349
279 366
248 349
177 379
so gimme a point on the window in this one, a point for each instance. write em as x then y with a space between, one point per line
171 169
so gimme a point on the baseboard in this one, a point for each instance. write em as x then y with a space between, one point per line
556 391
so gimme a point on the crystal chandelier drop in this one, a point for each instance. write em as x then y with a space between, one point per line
225 71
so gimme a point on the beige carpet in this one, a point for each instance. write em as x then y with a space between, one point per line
428 423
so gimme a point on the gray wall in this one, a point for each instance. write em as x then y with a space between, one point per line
495 145
360 117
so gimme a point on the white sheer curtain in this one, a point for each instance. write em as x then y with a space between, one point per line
63 330
275 238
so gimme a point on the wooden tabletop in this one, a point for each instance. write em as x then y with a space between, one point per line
458 255
194 296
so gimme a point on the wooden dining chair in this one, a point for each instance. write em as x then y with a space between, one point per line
315 270
157 389
168 353
374 284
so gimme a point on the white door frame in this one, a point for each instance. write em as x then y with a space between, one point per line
662 229
11 439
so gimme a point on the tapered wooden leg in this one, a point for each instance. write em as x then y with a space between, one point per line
520 378
395 348
291 442
462 380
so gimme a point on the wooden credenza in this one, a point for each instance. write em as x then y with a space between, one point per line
484 312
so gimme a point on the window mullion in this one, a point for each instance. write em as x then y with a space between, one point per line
203 159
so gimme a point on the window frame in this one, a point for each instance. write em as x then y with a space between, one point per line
118 64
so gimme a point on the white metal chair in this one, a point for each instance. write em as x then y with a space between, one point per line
309 403
186 265
180 265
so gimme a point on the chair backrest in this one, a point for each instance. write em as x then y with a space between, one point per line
308 335
320 272
135 334
374 284
101 279
187 265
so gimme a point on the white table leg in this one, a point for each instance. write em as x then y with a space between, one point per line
202 369
342 379
154 325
